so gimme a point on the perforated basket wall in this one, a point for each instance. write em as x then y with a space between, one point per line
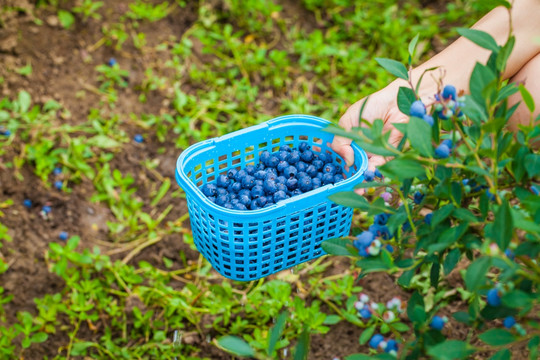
248 245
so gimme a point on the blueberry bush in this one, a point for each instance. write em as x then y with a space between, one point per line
460 191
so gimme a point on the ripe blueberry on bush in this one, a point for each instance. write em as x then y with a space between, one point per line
138 138
27 203
449 92
509 322
418 109
442 151
278 176
437 323
375 341
63 236
493 297
429 119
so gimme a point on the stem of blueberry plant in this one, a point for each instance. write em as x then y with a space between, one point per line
407 210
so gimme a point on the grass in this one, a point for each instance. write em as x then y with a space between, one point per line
238 64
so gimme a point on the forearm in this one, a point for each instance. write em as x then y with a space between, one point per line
459 59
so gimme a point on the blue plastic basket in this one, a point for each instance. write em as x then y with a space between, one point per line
248 245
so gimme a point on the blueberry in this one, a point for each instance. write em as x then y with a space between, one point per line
240 174
5 132
244 199
212 198
418 197
235 187
301 166
228 206
369 175
46 209
363 240
244 192
429 119
112 62
339 169
291 171
418 109
286 148
250 169
253 205
283 155
328 179
493 297
311 171
448 143
305 184
329 169
257 191
319 164
261 201
316 182
235 201
209 189
449 92
296 192
510 254
391 345
270 176
57 171
509 322
380 231
390 248
301 174
248 182
304 146
265 157
260 166
327 158
381 219
232 173
273 162
27 203
282 166
233 196
338 178
294 157
378 174
437 323
279 195
221 200
319 175
427 218
259 182
58 185
282 187
375 340
270 187
307 156
138 138
260 175
281 180
268 204
442 151
222 181
221 191
292 184
365 313
63 236
239 206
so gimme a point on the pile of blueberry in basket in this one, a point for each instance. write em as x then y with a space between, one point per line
278 176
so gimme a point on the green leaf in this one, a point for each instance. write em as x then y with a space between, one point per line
402 168
302 347
39 337
331 319
504 54
497 337
504 354
451 260
236 346
475 276
394 67
527 97
516 299
405 98
103 141
419 134
401 327
412 45
366 335
474 111
276 332
350 199
337 247
532 164
372 264
79 348
24 101
441 214
503 226
533 347
480 38
66 18
451 350
359 357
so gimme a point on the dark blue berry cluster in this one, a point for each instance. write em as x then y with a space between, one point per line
278 176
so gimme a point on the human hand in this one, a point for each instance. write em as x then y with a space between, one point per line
380 105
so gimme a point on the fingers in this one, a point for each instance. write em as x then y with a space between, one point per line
342 146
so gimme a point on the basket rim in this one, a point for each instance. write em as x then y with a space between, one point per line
192 190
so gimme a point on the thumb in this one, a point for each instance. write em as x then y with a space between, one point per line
342 146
